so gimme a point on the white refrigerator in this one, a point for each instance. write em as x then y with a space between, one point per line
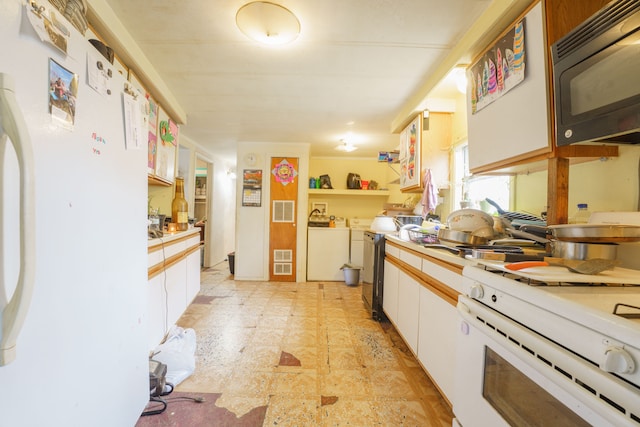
74 345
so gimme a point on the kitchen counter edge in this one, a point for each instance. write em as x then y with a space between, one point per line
169 237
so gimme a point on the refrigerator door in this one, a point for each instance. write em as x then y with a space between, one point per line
14 312
86 329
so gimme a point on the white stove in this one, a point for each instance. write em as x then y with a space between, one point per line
548 347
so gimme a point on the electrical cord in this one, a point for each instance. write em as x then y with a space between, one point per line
163 403
166 292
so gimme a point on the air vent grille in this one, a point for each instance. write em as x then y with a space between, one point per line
606 18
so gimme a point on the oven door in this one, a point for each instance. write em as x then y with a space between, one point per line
508 376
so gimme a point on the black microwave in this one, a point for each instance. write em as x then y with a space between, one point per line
596 75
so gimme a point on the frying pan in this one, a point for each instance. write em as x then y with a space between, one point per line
455 238
604 233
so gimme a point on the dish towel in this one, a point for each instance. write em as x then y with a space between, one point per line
429 199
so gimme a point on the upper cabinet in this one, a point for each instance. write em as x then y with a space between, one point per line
163 146
424 147
508 112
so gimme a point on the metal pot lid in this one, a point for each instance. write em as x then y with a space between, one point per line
454 237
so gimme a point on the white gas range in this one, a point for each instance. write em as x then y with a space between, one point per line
543 346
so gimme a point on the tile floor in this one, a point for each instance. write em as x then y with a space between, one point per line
296 354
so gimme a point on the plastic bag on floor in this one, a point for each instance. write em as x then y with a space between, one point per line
178 353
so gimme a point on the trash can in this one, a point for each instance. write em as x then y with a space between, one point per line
351 274
232 262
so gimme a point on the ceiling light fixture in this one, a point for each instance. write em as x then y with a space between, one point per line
268 23
346 146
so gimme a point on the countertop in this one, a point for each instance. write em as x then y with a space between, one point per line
168 237
440 254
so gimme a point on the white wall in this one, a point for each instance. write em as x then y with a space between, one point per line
252 223
368 169
221 219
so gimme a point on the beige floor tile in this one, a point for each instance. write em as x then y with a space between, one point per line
349 412
284 411
307 355
308 351
391 384
303 383
409 413
343 358
346 382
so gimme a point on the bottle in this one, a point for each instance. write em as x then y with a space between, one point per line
582 215
179 207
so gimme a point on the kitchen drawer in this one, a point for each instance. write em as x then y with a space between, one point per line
442 274
393 251
411 259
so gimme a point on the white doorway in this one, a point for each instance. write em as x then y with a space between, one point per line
203 188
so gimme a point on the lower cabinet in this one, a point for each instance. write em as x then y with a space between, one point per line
419 298
390 299
174 281
408 309
438 322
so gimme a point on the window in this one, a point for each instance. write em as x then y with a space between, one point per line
471 191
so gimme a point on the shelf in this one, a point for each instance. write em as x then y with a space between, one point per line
156 180
336 192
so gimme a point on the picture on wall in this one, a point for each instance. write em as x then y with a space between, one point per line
499 69
410 143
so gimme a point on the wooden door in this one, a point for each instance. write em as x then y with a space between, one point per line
282 222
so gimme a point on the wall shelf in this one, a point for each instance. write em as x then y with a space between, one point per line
156 180
344 192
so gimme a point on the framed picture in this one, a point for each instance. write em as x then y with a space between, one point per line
410 154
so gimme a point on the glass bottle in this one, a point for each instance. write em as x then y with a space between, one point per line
582 215
179 207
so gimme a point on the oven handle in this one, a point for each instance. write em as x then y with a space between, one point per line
532 349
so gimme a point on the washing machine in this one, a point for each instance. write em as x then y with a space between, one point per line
357 227
327 252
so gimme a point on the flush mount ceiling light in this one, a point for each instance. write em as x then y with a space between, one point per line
268 23
346 146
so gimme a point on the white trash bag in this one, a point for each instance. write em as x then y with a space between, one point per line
178 353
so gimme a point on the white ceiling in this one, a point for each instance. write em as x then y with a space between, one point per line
355 61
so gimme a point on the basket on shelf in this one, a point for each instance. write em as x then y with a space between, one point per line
75 11
421 237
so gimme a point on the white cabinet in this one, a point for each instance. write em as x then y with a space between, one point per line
174 280
327 251
438 321
408 309
193 274
516 125
390 293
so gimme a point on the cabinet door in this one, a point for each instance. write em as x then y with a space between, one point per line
436 144
390 300
193 275
516 125
156 312
408 309
436 341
